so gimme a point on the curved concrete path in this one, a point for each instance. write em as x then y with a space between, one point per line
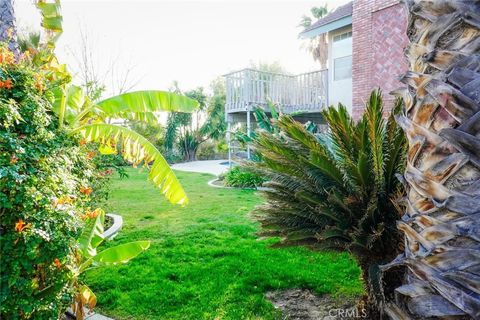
214 167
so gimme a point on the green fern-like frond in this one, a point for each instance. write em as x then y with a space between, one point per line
333 189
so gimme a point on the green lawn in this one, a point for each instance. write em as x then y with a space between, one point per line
205 261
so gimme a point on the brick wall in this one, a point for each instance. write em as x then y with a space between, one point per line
378 42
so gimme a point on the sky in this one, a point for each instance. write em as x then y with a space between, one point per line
192 42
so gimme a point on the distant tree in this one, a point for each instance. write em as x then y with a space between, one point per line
186 132
305 22
274 67
319 12
184 129
215 125
317 46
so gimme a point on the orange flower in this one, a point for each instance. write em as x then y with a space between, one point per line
90 155
6 56
39 85
91 214
57 263
83 142
13 159
8 84
39 82
20 226
86 190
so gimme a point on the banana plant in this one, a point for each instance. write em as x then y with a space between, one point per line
88 243
91 119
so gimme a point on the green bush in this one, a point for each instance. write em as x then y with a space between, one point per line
240 177
105 166
45 183
206 151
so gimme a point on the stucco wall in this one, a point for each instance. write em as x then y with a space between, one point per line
378 41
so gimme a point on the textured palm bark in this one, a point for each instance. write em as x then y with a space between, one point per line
8 27
442 123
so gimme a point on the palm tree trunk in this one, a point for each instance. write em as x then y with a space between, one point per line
8 27
441 119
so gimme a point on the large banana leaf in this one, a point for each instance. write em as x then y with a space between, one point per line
116 255
147 101
92 235
139 105
121 253
137 149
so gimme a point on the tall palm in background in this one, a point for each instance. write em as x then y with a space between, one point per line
442 123
8 26
318 45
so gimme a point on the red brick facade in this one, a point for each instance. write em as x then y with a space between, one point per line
378 41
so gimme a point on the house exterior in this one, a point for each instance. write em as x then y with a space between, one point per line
366 39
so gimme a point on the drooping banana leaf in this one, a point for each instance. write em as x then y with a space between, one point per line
121 253
116 255
92 235
136 149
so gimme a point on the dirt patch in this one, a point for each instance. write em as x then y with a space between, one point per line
302 304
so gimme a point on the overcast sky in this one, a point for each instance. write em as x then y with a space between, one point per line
192 42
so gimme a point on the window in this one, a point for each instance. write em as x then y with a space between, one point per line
342 36
342 68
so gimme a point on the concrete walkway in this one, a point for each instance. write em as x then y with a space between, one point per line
214 167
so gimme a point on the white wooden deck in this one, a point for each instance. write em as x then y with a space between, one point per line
249 88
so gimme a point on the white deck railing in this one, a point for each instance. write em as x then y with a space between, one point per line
305 92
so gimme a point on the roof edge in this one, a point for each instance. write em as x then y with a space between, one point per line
334 25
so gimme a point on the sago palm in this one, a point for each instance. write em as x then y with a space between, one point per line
334 190
441 119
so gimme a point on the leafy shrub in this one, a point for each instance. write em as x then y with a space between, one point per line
240 177
335 190
45 182
154 132
222 147
105 166
206 151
